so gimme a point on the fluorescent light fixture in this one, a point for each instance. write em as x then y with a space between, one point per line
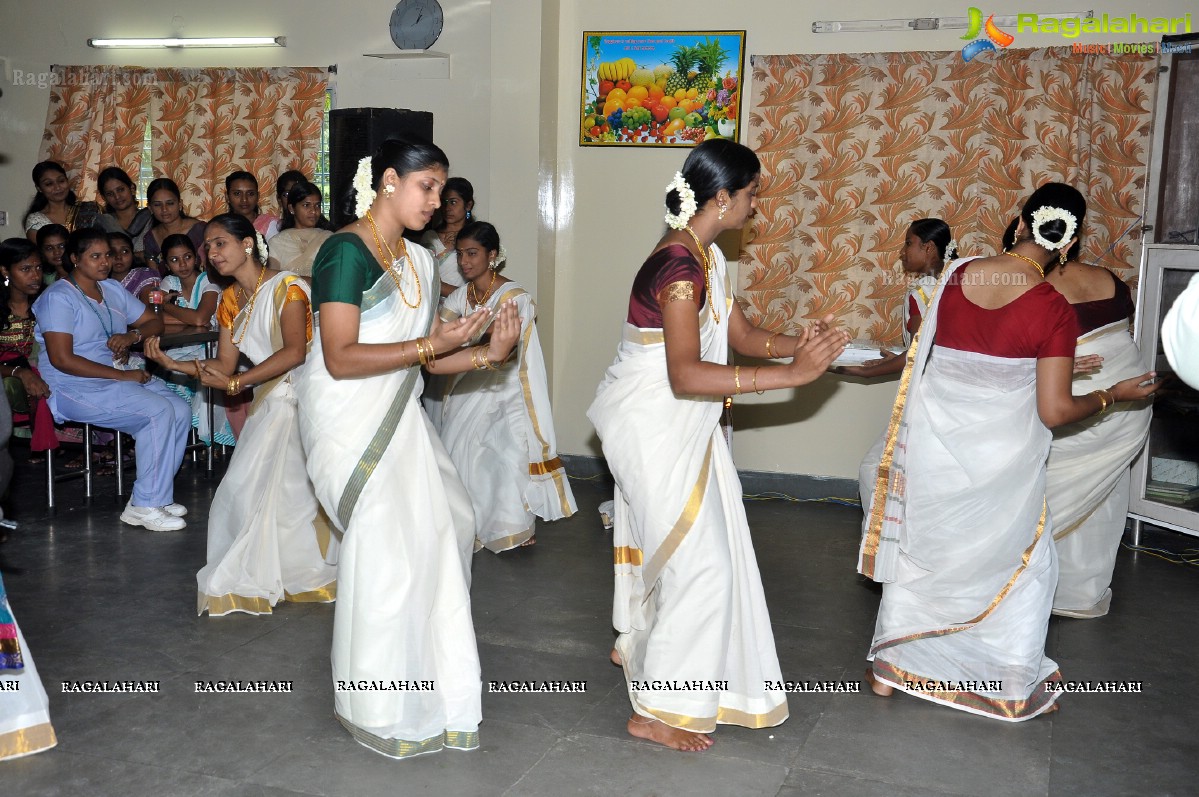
927 23
222 41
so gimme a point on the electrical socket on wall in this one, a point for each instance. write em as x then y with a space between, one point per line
3 218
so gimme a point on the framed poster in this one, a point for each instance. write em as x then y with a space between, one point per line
661 89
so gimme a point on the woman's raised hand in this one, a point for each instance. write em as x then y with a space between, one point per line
505 331
153 351
451 335
1135 389
819 344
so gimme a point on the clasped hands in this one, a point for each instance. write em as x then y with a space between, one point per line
503 332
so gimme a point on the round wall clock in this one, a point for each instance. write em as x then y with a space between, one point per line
416 24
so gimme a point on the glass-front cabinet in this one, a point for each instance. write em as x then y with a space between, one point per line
1165 477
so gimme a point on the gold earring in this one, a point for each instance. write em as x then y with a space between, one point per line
721 214
1061 255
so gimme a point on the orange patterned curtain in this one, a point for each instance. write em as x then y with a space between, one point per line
97 118
855 147
206 123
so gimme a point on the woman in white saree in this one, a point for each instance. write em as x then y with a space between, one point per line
1090 461
405 665
695 638
497 425
958 529
265 540
25 726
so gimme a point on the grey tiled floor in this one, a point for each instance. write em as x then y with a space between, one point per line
97 600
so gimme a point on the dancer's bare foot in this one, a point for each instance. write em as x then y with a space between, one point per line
1051 709
876 686
614 656
528 542
675 738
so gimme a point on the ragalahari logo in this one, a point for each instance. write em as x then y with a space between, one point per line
994 35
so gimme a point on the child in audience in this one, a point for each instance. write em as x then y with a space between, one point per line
52 244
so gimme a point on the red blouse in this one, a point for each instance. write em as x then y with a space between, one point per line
673 263
1039 323
1101 312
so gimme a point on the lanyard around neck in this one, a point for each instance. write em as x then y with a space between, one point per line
90 302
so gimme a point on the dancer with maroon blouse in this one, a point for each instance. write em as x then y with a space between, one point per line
689 604
958 529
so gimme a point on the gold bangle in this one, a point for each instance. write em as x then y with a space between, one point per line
421 355
432 352
1102 401
487 361
231 388
769 345
763 390
737 379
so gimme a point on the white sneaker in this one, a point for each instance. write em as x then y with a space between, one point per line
175 510
152 518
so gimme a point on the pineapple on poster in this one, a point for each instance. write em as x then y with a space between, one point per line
661 89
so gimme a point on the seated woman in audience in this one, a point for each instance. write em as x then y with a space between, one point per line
21 274
191 300
1090 462
283 186
166 205
52 244
84 327
241 194
55 202
263 542
302 232
927 246
457 206
121 211
140 281
496 422
958 529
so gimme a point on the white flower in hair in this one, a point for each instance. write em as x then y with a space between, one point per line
951 251
1049 213
501 257
364 194
260 243
687 206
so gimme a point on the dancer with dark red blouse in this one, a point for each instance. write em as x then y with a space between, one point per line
958 529
689 604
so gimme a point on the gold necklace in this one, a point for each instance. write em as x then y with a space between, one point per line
250 308
703 253
1040 269
391 258
473 297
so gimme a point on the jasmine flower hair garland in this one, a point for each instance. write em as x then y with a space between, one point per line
687 206
364 194
1050 213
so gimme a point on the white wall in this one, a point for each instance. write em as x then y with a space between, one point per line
577 221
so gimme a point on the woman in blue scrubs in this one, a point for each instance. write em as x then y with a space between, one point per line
85 326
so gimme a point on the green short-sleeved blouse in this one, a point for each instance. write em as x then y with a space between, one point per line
344 269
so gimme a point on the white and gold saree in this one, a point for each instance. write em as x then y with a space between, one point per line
958 532
405 665
695 635
499 430
1090 474
265 540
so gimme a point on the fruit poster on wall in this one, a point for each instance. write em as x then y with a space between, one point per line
660 89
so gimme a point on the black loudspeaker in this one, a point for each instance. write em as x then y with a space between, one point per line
357 132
